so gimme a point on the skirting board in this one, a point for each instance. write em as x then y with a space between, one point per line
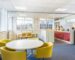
63 40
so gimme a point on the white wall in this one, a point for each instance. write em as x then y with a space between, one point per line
68 22
47 35
50 35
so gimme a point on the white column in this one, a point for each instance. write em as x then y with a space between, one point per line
3 24
3 20
14 25
71 36
36 25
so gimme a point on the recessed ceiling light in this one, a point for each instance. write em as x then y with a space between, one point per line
61 9
20 8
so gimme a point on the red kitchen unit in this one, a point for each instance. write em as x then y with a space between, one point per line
62 35
67 36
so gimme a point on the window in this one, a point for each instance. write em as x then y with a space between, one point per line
49 24
24 24
46 24
43 24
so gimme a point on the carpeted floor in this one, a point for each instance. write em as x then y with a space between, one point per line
63 51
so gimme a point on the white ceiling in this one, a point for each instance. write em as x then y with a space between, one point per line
48 6
39 5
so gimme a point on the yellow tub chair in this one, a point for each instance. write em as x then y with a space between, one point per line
7 54
19 36
3 42
29 35
44 51
24 35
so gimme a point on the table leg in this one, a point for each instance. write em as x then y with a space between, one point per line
26 55
29 53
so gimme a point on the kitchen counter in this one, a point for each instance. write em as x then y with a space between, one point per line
63 35
63 31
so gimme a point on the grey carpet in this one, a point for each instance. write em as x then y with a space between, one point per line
62 51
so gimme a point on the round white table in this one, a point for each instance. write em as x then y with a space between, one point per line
24 44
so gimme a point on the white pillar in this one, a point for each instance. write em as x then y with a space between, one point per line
3 20
72 37
3 24
36 25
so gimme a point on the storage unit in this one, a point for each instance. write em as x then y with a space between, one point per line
62 35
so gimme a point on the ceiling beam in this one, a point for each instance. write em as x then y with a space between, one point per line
40 12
